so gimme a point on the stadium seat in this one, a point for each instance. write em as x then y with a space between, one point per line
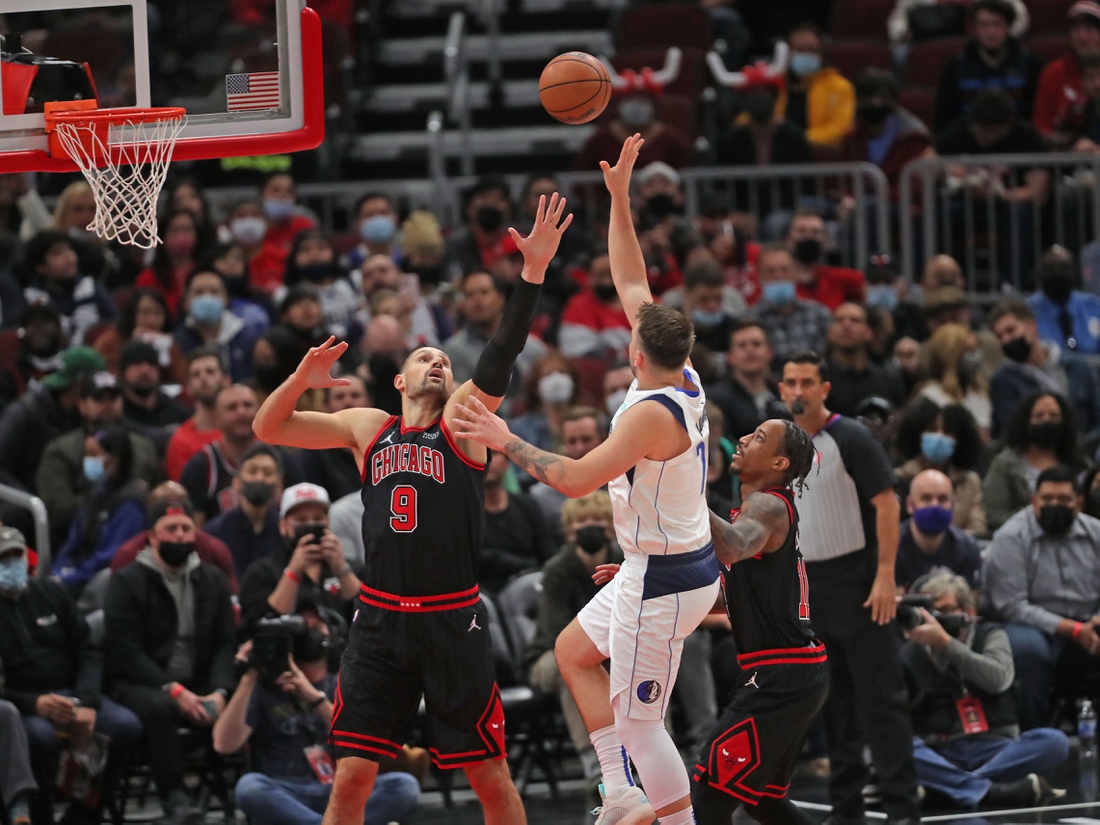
850 57
921 101
655 27
689 82
863 19
1048 16
1048 46
926 60
518 603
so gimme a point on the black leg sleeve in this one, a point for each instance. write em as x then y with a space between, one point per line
711 806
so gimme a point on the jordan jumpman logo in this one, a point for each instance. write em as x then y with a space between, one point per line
752 681
473 625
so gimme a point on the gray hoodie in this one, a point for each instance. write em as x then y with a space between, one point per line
181 667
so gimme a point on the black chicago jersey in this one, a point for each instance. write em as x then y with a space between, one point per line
424 512
767 596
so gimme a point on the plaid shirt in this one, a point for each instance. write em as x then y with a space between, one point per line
803 329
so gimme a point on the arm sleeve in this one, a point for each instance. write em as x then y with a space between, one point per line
494 367
1005 579
991 668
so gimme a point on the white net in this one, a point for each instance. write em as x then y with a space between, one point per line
126 186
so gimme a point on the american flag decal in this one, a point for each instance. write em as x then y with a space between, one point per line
258 90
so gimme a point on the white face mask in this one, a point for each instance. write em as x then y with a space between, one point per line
556 388
614 401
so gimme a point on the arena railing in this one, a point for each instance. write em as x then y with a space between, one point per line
37 507
957 206
867 231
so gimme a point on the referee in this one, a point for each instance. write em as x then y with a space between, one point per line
849 537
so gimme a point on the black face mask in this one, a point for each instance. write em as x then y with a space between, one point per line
1057 283
807 251
661 206
268 376
316 273
429 275
311 646
592 539
1056 519
1018 350
605 292
1044 435
490 218
175 553
874 115
257 493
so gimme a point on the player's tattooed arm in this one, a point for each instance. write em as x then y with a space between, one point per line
762 519
546 467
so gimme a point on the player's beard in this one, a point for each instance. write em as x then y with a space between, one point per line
435 394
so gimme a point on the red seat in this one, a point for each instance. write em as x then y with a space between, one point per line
926 60
1048 46
1048 16
689 82
921 101
673 24
850 57
861 19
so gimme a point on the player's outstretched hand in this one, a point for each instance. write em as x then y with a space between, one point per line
617 177
316 367
475 420
604 573
540 247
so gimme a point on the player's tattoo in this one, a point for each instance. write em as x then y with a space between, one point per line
761 518
538 463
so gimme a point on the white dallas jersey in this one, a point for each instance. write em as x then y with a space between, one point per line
660 506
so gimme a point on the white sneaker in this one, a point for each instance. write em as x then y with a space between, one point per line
632 808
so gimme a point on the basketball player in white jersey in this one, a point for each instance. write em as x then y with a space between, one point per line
654 463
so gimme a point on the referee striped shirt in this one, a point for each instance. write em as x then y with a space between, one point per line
836 516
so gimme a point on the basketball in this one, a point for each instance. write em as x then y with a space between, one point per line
574 87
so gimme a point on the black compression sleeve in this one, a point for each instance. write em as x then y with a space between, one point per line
494 367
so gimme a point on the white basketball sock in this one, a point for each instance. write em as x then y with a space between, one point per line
684 817
613 762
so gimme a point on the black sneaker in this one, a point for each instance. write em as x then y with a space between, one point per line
1022 793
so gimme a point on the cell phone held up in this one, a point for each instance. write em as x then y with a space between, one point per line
315 530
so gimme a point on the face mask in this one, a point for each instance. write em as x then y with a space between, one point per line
804 63
1056 519
874 115
778 292
807 251
429 275
937 448
707 319
661 206
257 493
1044 435
175 553
379 229
93 468
969 365
316 273
1018 350
592 539
248 231
932 521
760 106
268 376
207 309
605 292
13 575
615 400
311 646
884 296
636 112
556 388
490 218
180 246
278 211
1057 283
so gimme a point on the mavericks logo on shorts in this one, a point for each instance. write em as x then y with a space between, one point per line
649 691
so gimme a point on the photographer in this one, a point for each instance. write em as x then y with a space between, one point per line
311 568
284 716
959 671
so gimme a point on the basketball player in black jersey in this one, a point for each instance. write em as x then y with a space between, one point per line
420 628
751 754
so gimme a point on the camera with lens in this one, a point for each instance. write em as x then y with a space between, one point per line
273 643
908 615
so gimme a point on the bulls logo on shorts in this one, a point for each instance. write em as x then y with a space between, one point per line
734 755
649 691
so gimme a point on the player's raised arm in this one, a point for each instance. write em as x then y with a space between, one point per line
761 527
643 430
277 422
628 268
494 368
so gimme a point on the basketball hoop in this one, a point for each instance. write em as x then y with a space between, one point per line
124 155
